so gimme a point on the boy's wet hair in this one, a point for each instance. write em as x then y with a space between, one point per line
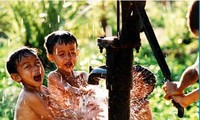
60 37
16 56
193 17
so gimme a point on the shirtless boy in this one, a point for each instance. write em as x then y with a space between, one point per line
68 85
25 67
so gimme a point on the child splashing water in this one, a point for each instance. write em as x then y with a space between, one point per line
69 87
35 101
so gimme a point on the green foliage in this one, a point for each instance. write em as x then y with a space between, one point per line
28 22
9 92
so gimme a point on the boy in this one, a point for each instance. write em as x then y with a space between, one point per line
68 86
25 67
174 90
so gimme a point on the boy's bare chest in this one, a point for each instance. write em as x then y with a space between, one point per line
75 81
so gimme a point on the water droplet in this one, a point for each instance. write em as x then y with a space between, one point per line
58 18
56 51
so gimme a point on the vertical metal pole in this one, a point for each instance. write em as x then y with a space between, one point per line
119 59
119 81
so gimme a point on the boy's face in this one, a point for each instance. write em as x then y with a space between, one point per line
65 57
30 71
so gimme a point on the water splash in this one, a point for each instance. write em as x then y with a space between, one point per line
49 25
98 98
40 70
61 79
78 102
143 84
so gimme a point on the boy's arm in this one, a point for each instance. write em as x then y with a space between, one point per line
189 77
186 100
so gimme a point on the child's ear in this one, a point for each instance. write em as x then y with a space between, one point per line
15 77
50 57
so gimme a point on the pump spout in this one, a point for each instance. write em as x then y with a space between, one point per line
96 74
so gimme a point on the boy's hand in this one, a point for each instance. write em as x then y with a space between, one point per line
179 99
171 89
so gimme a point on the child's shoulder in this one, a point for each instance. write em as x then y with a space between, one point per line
53 75
25 100
28 96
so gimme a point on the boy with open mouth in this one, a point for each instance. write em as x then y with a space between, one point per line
67 85
25 67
